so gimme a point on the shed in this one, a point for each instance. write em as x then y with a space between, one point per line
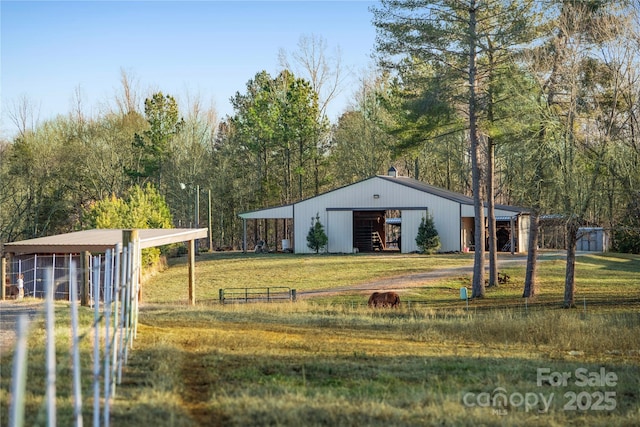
35 255
592 239
384 212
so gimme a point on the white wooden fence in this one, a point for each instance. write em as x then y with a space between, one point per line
115 277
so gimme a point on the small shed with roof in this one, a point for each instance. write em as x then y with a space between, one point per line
30 258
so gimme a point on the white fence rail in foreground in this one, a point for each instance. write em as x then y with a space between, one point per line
115 277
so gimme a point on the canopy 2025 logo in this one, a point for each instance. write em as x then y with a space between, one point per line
583 401
599 400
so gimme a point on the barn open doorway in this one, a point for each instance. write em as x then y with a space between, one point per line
372 230
393 230
506 234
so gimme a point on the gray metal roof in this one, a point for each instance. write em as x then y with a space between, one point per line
278 212
286 211
441 192
99 240
421 186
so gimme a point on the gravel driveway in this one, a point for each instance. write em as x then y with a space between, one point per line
406 281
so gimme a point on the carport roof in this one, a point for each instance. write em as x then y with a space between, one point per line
99 240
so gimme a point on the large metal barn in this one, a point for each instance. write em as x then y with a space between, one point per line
384 212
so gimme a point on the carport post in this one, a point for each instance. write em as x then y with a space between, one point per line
192 272
86 277
244 235
512 242
132 236
3 267
210 228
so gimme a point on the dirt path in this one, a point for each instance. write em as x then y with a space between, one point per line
9 313
400 283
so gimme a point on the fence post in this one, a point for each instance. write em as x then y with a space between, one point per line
96 342
116 316
35 273
127 303
136 277
221 295
16 411
122 314
108 279
51 350
293 295
77 387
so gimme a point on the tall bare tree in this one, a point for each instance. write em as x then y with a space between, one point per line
322 69
128 99
360 145
326 74
24 114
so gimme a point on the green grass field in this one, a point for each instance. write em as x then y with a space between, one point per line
333 361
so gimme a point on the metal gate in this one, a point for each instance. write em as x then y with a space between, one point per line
243 295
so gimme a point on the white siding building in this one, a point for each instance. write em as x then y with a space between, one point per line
384 213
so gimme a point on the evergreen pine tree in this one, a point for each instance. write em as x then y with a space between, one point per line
317 238
427 239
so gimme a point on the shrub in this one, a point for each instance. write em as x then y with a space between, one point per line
626 237
140 208
316 238
427 239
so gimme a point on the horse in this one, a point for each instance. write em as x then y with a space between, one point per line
384 299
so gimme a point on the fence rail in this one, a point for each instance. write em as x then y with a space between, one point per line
245 295
33 268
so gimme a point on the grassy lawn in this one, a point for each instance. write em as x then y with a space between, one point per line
227 270
333 361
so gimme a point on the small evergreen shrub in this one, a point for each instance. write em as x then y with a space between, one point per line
427 239
316 238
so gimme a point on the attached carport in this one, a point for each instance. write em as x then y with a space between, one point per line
98 241
283 213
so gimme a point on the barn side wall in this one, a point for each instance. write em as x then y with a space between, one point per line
410 223
340 231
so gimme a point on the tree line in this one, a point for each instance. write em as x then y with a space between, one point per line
532 103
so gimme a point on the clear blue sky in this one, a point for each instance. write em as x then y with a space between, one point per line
50 49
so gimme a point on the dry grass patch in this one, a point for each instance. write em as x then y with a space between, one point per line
268 364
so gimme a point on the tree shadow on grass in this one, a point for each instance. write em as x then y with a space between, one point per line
227 388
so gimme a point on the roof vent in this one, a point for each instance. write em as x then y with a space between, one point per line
392 172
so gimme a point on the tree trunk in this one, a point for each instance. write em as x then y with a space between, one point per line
288 178
478 287
491 164
531 288
569 280
491 215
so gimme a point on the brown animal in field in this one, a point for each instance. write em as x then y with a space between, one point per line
384 299
12 291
